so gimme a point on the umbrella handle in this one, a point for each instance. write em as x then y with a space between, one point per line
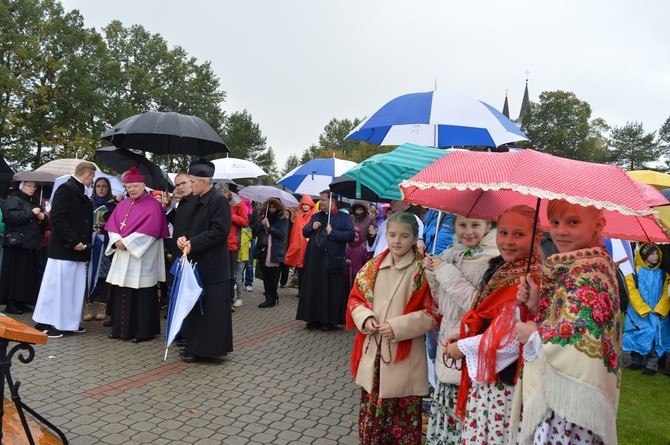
185 251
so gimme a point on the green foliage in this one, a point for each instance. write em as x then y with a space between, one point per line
267 161
332 142
62 85
632 148
243 136
559 125
291 163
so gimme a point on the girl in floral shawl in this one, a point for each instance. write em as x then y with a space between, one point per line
390 306
487 339
571 375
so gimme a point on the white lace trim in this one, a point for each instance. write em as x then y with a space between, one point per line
531 191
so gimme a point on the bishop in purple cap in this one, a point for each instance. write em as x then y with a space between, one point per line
136 230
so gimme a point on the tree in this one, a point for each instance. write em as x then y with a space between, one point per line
145 74
48 70
267 161
332 142
291 163
663 142
631 148
559 125
243 136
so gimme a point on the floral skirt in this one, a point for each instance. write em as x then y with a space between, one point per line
444 427
555 430
394 421
487 414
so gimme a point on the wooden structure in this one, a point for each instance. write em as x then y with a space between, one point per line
20 424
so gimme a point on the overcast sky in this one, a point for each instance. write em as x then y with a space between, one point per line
296 64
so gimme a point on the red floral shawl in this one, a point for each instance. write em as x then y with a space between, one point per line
363 294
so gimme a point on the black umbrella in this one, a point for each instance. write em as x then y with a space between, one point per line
166 133
346 186
120 160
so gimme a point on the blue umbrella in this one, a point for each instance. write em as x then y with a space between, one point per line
97 251
437 119
314 176
186 291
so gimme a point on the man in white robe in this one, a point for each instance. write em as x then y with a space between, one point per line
61 297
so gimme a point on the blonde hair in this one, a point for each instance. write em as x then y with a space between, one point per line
558 207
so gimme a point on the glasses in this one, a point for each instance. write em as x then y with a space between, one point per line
451 362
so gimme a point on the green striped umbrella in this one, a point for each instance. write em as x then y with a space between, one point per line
383 172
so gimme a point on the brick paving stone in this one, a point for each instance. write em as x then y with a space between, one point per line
283 384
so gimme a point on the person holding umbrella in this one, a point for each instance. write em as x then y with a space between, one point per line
272 234
201 228
136 230
571 374
324 290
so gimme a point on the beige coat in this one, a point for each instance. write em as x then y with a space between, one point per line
392 292
454 285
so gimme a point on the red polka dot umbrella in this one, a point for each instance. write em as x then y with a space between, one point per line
482 185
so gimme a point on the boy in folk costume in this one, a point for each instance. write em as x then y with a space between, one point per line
390 306
571 374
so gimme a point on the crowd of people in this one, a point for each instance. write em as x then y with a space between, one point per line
515 342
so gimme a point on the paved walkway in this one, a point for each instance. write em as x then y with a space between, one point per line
283 384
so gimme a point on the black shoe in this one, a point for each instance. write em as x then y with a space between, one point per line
648 371
107 324
78 331
13 308
25 307
267 303
313 325
327 327
181 343
53 332
634 367
189 357
140 339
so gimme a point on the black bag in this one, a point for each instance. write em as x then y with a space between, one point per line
13 239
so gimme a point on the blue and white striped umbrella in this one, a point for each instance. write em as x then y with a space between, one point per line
315 175
437 119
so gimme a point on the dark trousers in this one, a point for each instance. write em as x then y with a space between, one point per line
270 282
283 274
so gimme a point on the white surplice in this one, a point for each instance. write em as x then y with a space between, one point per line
140 265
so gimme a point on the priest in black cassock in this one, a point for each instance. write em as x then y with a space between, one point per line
201 229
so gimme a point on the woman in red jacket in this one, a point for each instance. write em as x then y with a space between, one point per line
295 253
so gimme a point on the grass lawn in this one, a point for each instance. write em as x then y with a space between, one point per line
644 409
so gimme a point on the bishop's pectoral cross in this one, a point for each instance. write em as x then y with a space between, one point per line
125 218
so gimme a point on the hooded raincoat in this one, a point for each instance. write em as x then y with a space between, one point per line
647 315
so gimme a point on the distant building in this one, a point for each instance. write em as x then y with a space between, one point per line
524 108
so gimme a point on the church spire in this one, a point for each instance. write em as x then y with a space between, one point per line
524 103
505 110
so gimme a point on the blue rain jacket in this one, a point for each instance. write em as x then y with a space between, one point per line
647 315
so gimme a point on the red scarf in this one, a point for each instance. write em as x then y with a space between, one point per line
499 307
420 300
